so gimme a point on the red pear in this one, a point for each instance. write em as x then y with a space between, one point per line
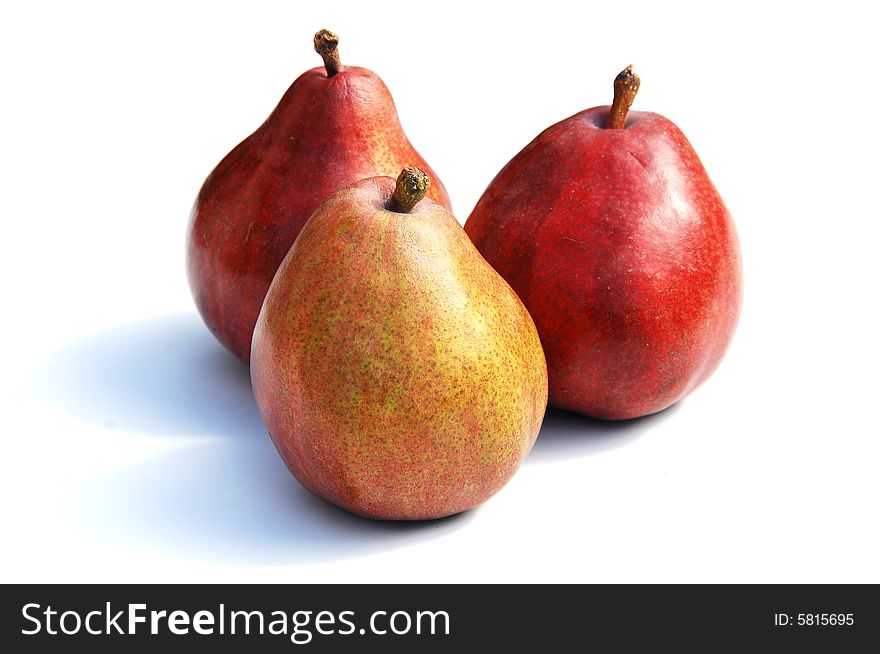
399 376
333 126
611 232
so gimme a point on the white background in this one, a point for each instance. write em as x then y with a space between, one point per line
132 446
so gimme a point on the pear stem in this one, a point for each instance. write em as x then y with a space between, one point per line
412 185
326 43
626 85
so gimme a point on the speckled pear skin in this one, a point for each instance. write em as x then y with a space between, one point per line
324 134
398 374
625 255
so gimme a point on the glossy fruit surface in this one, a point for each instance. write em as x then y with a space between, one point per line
399 376
326 132
625 255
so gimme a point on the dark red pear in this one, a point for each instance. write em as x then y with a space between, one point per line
609 229
333 126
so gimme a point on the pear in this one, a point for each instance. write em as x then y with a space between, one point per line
333 126
398 374
609 228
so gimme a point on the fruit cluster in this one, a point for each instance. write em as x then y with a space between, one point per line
403 365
